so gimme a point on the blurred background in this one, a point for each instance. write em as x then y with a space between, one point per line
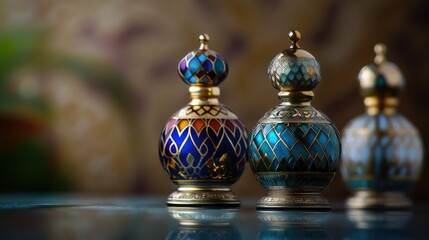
87 86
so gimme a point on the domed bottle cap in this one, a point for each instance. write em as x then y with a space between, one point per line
381 78
294 69
381 81
203 67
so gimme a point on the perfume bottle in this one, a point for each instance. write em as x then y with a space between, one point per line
294 149
203 146
382 150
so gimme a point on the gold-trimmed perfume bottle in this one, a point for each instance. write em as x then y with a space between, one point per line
382 150
294 150
203 146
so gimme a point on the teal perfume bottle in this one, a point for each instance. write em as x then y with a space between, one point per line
294 150
382 150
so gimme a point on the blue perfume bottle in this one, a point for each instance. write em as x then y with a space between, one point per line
294 150
382 150
203 147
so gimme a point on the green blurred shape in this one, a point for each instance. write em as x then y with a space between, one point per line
27 158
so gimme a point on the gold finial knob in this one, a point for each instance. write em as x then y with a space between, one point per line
204 39
294 37
380 53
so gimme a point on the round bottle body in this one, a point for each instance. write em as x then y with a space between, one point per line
294 151
203 146
381 153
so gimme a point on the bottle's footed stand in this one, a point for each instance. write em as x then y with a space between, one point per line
366 199
281 199
203 196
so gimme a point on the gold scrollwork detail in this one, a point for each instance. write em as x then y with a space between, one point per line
219 170
204 195
299 113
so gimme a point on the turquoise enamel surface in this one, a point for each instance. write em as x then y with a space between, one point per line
294 147
286 72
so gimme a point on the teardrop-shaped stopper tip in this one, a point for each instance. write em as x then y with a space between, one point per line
204 39
380 48
380 53
294 37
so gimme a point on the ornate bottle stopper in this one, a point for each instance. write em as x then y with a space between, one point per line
382 150
294 149
203 146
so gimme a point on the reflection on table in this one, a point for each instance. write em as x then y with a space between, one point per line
203 223
293 224
379 224
77 217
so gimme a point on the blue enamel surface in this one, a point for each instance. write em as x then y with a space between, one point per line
203 67
272 137
199 149
194 65
219 66
188 74
259 138
202 57
207 65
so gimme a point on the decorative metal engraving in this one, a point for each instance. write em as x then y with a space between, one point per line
285 113
203 195
278 199
205 111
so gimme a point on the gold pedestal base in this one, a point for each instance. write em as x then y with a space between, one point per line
203 196
378 200
287 200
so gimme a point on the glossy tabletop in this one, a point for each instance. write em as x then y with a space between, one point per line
66 216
